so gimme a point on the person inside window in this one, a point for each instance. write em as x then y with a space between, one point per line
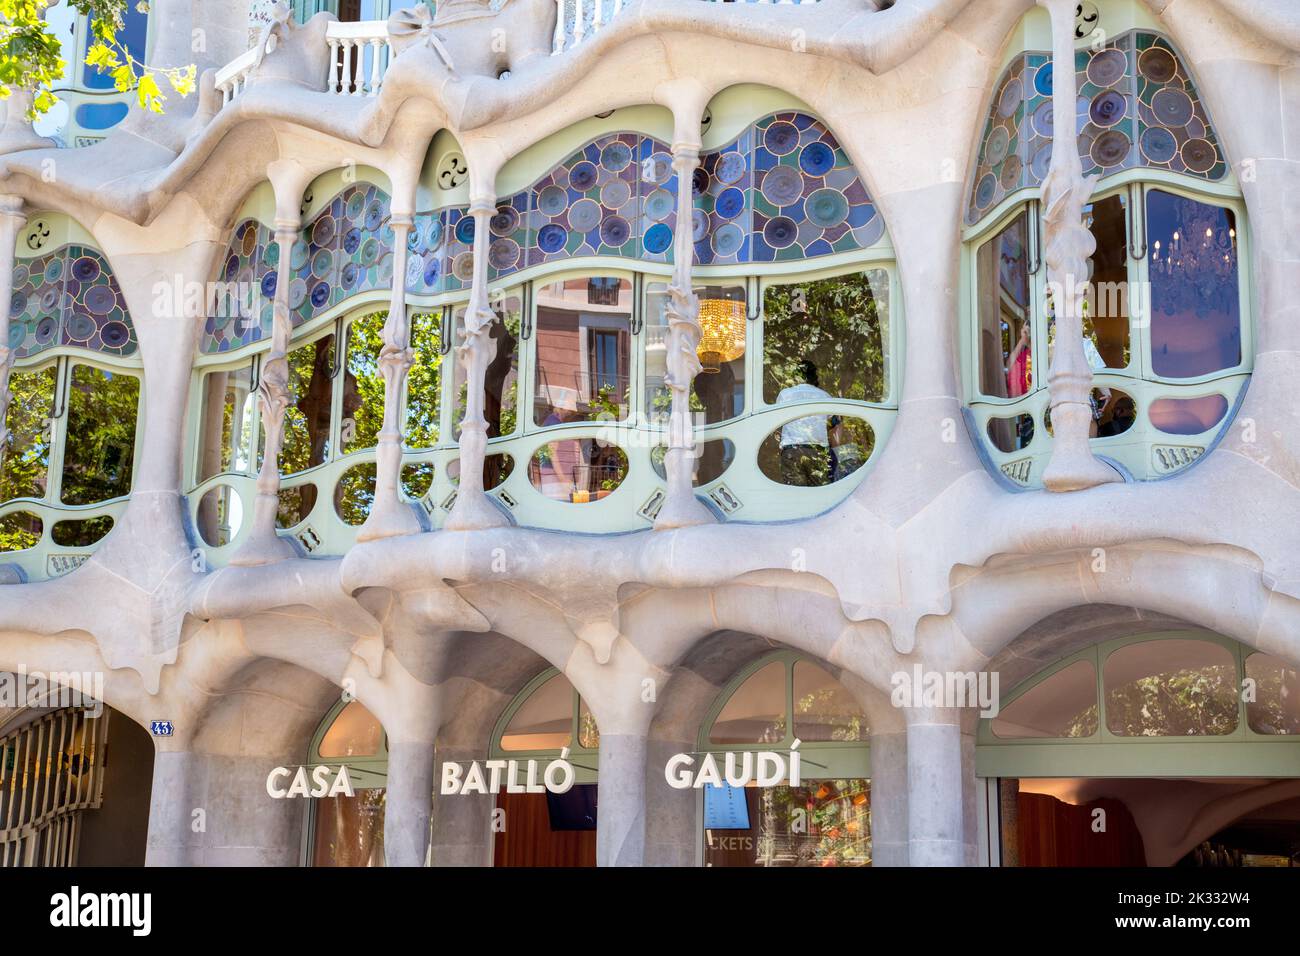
805 445
1019 376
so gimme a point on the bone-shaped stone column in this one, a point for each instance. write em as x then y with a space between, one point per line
473 509
264 546
12 221
681 508
390 516
1068 246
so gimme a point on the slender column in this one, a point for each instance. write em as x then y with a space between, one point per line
681 508
620 815
462 825
1068 246
12 221
264 546
473 509
408 802
935 801
889 784
390 516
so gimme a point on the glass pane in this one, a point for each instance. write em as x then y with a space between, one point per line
296 504
1187 416
363 385
712 458
496 469
816 450
1276 707
583 338
355 494
1195 305
826 823
826 339
1002 280
355 732
823 708
1011 434
229 407
1063 705
1174 688
417 479
1106 324
221 514
81 534
577 470
423 382
718 391
501 378
20 530
588 732
26 464
545 719
307 420
99 451
350 830
756 712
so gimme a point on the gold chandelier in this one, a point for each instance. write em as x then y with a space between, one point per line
722 333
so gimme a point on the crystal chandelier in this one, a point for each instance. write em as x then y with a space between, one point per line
722 333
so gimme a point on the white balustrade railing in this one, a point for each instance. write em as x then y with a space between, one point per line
359 56
360 51
233 77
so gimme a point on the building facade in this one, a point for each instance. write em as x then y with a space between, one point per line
657 432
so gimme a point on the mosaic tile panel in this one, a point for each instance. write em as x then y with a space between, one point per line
68 297
721 188
1137 106
807 199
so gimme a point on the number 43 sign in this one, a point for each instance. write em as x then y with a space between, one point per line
161 728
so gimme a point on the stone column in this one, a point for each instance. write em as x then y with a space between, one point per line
935 798
889 788
681 508
620 813
473 509
263 545
213 810
12 221
390 516
1067 247
408 803
462 824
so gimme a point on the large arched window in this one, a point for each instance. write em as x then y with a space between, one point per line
1176 703
797 389
348 831
826 821
74 395
1166 327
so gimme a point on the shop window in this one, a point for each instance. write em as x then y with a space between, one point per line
355 732
99 451
1005 317
824 710
756 712
546 719
1171 688
350 830
816 450
718 390
1195 298
1063 705
577 470
827 339
1272 695
501 377
826 819
583 352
